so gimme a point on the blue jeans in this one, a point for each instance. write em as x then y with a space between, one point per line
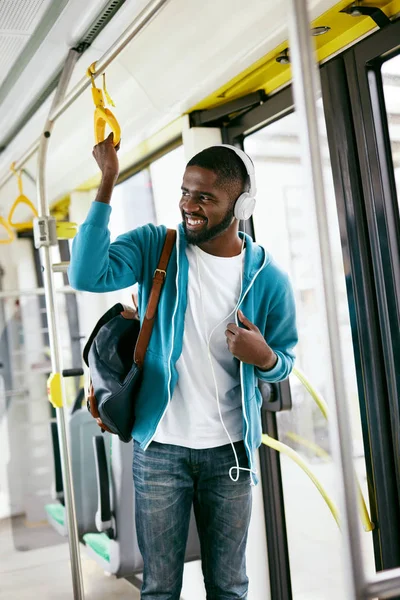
168 481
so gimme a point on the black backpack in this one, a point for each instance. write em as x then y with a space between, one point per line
115 353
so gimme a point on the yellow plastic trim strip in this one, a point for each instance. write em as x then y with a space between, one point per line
103 116
10 233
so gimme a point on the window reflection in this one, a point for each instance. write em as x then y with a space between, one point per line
132 204
391 89
285 224
166 178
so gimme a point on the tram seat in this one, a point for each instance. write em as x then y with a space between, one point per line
81 430
115 547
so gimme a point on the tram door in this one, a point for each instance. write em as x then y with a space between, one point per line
285 224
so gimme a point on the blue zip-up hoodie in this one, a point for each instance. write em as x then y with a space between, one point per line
267 301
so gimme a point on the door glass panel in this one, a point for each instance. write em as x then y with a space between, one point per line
391 89
166 178
285 224
132 204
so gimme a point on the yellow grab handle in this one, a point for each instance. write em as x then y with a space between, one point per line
22 199
54 390
103 117
66 230
5 224
98 98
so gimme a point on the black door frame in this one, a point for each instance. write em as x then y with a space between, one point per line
367 205
369 226
381 202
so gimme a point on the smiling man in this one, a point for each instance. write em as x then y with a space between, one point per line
226 318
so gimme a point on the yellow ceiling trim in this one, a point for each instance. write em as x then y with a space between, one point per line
146 148
270 75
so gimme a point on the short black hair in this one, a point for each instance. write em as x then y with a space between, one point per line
230 169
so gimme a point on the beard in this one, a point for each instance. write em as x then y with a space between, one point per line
208 233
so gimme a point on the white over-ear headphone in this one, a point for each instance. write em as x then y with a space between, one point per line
245 204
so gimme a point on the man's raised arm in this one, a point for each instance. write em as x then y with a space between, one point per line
97 266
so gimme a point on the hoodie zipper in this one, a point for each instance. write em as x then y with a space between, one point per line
246 443
241 364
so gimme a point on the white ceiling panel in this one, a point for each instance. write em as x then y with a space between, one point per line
18 21
21 15
186 52
11 45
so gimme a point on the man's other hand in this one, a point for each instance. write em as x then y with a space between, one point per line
249 345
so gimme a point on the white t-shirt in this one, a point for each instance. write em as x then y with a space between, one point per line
192 419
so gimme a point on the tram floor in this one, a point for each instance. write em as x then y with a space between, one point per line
45 573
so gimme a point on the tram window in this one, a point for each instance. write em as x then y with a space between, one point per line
391 88
285 224
166 179
132 204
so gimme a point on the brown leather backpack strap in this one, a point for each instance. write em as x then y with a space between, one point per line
158 282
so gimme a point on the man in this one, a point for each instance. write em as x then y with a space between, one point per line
226 318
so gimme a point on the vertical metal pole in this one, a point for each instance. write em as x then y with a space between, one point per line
55 349
306 86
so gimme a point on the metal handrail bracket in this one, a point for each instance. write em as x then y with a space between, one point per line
385 584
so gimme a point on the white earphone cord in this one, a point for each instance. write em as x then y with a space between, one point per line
208 338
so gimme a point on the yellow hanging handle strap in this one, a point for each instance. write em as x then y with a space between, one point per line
10 233
103 116
54 390
366 520
21 199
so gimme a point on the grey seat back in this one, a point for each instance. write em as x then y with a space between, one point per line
125 557
82 429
